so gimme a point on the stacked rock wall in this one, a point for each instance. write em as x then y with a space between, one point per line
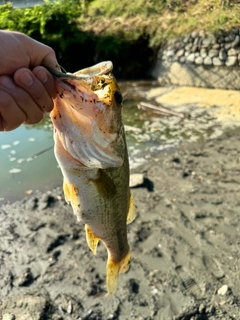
201 59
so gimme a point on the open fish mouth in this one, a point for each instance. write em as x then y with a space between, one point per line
85 119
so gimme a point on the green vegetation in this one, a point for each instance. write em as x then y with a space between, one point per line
83 32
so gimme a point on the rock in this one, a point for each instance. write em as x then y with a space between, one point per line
227 46
213 53
231 61
194 49
136 179
217 62
8 316
203 52
186 53
187 39
222 54
223 290
238 58
180 53
229 38
199 60
182 59
196 41
236 41
206 41
188 47
207 61
194 34
190 58
232 52
216 46
170 53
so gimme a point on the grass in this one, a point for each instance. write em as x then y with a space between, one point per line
160 19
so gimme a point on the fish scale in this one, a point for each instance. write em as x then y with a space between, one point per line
90 147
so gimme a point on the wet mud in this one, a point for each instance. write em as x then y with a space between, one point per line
185 246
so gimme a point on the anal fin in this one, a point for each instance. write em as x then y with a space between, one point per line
92 240
131 210
113 270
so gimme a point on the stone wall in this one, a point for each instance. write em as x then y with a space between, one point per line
201 59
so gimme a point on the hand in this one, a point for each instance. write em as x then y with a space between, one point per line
26 88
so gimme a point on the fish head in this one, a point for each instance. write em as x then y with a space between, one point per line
87 118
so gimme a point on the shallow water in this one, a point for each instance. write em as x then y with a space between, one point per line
28 162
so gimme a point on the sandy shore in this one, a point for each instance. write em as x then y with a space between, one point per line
184 244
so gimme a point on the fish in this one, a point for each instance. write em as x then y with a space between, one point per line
90 148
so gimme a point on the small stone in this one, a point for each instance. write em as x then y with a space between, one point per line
186 53
207 61
238 57
227 46
229 38
182 59
203 52
236 41
170 53
199 60
206 42
223 290
232 52
180 53
217 62
194 34
188 47
216 46
213 53
8 316
190 58
231 61
194 49
196 41
222 54
187 39
136 179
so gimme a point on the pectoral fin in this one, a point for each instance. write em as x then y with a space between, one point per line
131 210
92 240
71 195
113 270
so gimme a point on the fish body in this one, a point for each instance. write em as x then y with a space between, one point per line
91 150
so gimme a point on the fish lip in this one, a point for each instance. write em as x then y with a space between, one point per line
65 76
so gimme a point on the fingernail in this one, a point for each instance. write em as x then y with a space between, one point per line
42 76
26 79
7 83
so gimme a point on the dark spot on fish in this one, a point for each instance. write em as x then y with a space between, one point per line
60 115
61 95
118 97
90 101
54 118
94 101
43 107
72 106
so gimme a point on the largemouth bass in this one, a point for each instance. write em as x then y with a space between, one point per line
91 150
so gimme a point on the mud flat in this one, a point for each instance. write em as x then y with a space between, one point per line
185 245
185 241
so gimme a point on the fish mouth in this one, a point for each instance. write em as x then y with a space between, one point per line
86 118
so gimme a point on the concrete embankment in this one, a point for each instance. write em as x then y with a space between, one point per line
201 60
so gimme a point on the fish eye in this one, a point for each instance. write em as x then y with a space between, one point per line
118 97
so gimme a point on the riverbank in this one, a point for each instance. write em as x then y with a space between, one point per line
184 244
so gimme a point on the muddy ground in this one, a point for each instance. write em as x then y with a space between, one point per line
185 246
